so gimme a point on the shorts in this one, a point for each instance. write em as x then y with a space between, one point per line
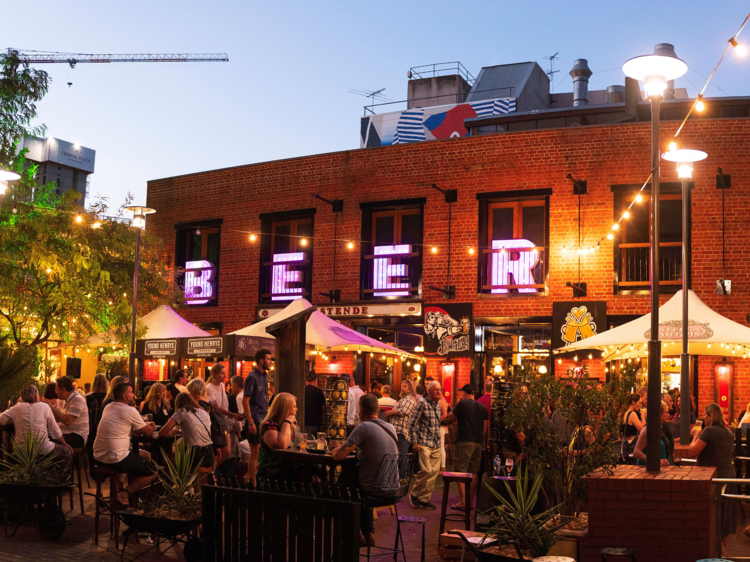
74 440
203 457
254 439
134 465
468 457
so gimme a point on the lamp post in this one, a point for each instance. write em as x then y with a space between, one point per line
5 177
139 222
684 159
655 70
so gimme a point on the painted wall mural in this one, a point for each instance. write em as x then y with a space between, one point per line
430 123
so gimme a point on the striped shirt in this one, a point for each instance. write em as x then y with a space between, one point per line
405 406
75 405
424 426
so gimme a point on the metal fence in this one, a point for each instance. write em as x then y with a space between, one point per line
299 524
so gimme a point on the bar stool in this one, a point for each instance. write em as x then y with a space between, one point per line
409 519
462 478
375 511
107 506
79 458
606 552
553 559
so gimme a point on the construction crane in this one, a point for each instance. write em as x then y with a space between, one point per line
46 57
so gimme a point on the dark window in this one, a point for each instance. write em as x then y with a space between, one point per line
513 242
286 259
392 252
197 260
633 242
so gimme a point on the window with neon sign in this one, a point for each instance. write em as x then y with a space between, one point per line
514 246
286 251
197 255
392 253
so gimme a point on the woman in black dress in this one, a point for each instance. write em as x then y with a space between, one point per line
157 404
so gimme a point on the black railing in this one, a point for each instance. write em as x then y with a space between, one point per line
377 281
297 524
635 264
491 277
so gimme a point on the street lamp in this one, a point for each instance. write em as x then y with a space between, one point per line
655 71
139 222
5 177
684 159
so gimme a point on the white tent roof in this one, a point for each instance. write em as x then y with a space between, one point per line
162 322
709 333
322 331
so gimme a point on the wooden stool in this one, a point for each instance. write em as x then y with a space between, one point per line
409 519
462 478
375 511
109 509
79 457
606 552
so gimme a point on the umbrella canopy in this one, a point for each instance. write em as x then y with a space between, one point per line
709 333
162 322
323 332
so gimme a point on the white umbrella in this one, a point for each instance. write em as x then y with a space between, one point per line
323 332
162 322
709 333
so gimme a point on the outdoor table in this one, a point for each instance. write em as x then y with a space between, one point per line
156 445
297 456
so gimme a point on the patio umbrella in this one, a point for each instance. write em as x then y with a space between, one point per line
162 322
709 333
323 332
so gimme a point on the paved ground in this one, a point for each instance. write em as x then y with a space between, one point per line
77 544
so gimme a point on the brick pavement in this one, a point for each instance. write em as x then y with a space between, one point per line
77 544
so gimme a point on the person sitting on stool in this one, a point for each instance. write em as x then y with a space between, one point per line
373 439
73 414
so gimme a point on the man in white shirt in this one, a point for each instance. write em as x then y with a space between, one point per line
180 380
32 418
216 392
73 414
112 445
386 400
352 407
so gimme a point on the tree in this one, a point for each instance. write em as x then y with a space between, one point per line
65 273
591 410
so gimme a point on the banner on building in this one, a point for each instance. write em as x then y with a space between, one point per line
577 320
448 330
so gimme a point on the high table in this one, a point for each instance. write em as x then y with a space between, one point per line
303 457
157 445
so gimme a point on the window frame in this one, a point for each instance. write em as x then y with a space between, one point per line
184 233
269 225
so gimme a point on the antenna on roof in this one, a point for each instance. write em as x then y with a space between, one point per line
373 95
551 72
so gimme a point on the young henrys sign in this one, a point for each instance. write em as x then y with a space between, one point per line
447 330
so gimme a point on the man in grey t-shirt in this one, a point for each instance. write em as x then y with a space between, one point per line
373 439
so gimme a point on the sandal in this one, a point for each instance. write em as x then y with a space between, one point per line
458 508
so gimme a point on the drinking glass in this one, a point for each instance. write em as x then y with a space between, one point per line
508 466
303 441
149 417
321 441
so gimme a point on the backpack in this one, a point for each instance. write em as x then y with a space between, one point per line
219 427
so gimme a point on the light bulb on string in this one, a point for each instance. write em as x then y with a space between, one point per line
741 49
434 250
638 198
303 242
350 245
626 215
615 226
672 146
471 251
252 238
79 218
699 105
610 236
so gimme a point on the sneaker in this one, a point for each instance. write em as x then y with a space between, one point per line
370 538
413 500
427 505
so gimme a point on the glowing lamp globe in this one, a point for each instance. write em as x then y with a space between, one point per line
139 215
657 69
684 158
5 177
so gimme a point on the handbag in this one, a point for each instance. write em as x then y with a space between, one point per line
219 428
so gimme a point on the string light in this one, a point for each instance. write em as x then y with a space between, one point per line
49 270
303 242
79 218
471 250
350 245
97 224
699 105
626 215
434 250
638 198
252 238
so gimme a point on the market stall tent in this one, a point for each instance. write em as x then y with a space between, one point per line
323 332
709 333
162 322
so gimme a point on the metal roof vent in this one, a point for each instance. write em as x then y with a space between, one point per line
580 74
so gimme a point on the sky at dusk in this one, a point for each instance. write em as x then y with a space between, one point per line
285 90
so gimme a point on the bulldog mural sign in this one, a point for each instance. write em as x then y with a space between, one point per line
447 330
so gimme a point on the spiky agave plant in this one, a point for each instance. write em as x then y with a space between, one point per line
513 519
29 466
178 479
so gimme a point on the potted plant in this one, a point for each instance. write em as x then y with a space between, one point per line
517 522
31 483
177 509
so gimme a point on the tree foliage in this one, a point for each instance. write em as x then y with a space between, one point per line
591 410
65 273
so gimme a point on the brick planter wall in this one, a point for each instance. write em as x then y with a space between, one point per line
666 516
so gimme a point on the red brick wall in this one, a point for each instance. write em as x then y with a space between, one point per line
604 156
665 516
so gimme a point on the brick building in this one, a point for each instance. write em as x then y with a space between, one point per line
252 237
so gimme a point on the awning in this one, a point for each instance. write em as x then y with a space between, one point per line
162 322
709 333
